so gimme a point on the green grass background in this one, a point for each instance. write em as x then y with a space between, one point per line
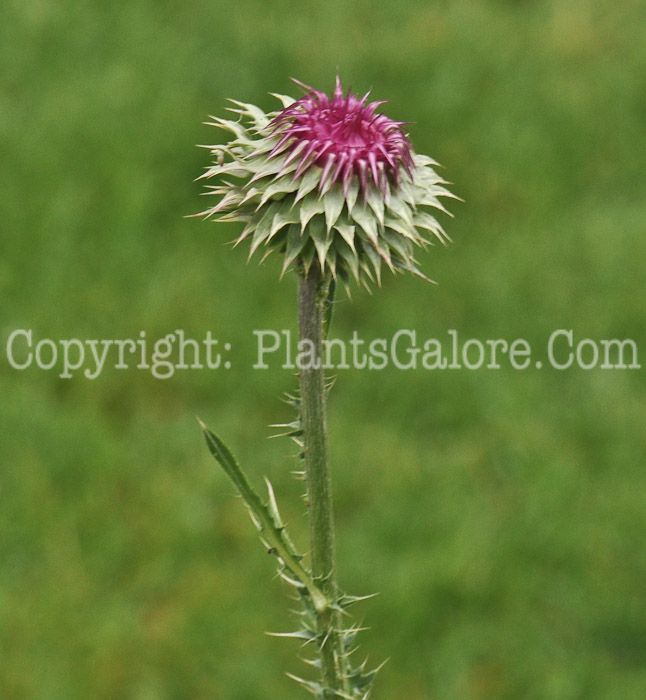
500 514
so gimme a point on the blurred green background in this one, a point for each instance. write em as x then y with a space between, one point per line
500 514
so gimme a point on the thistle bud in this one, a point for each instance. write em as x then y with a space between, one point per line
327 181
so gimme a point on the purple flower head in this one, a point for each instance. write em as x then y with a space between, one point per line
326 181
345 136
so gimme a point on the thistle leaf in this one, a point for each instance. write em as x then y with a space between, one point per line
270 527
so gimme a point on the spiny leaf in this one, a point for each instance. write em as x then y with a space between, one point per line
299 634
271 528
312 686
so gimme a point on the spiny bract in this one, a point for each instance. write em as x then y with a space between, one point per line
327 181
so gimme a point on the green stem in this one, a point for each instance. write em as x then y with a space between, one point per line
312 296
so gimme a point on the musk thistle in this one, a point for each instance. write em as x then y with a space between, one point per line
327 180
337 189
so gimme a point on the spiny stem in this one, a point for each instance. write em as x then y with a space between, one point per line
312 296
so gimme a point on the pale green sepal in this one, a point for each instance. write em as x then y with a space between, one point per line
430 223
401 227
236 128
284 216
307 256
310 207
401 246
322 240
263 229
367 222
296 241
333 202
400 209
308 181
349 255
254 112
272 167
374 258
347 233
282 186
412 268
286 100
376 203
353 194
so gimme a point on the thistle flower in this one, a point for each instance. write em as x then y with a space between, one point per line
337 189
327 180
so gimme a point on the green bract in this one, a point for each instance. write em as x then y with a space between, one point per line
278 178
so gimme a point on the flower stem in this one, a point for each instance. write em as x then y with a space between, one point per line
312 296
